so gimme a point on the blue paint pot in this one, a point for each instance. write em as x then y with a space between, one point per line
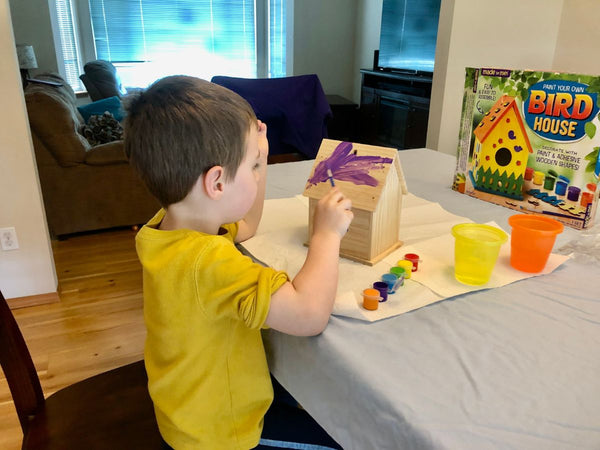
390 279
561 187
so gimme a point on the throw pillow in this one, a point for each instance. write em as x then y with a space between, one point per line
97 108
102 129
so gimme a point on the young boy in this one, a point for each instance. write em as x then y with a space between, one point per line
201 151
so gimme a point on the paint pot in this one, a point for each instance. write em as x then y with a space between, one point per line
528 173
532 239
382 287
563 178
591 187
538 178
391 280
407 266
398 271
560 188
573 193
414 259
549 183
476 249
371 299
587 198
553 173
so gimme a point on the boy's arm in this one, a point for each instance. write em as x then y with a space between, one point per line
249 224
303 306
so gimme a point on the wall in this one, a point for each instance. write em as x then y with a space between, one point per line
30 269
533 34
368 28
31 24
324 43
578 37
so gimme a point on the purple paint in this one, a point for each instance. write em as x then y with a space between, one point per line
518 148
511 135
348 167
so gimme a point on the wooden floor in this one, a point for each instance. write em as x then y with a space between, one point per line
97 325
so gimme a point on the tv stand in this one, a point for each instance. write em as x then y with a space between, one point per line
394 108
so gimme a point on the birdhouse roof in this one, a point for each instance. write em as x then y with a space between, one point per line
360 171
494 116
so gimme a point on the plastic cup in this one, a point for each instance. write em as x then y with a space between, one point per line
531 242
371 299
476 249
538 178
414 259
382 287
407 266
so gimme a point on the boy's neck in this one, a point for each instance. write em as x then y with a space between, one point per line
180 216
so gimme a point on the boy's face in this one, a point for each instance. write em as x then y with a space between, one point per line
243 188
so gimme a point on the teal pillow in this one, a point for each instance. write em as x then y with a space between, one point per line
97 108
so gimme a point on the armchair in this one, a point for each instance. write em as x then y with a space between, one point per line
84 187
101 80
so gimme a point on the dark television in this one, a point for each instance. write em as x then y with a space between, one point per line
408 35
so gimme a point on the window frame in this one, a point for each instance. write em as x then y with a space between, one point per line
86 49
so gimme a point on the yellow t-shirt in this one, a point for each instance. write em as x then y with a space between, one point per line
204 305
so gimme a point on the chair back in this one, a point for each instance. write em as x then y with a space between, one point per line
295 110
18 367
101 80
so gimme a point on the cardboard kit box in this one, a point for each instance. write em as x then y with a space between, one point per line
529 141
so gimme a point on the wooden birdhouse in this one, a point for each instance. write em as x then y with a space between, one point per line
501 150
372 178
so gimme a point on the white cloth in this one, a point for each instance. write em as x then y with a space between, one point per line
279 242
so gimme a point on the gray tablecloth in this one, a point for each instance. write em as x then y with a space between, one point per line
514 367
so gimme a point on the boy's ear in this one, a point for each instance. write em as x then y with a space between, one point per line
213 182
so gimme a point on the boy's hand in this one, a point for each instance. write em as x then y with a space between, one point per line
333 213
263 143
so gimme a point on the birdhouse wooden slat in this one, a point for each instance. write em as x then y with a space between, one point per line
372 178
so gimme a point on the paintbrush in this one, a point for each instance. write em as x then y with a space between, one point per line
330 175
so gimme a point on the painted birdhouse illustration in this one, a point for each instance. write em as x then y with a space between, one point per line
501 150
372 178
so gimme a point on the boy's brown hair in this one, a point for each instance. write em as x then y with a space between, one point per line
179 128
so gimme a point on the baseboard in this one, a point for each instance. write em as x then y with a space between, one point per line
33 300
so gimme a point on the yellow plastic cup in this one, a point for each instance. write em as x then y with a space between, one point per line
476 249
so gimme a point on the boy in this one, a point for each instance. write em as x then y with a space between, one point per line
201 151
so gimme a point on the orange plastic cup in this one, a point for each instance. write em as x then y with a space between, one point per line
531 241
371 299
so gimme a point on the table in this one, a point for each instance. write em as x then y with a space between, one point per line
514 367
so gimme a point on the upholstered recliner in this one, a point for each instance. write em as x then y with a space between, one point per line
101 80
84 187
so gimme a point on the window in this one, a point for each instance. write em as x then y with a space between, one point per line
149 39
66 43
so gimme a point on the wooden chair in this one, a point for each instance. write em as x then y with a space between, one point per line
112 410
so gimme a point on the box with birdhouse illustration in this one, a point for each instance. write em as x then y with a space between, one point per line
530 141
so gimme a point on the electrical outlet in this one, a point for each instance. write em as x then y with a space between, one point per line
8 238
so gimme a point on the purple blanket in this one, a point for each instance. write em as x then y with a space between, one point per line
295 110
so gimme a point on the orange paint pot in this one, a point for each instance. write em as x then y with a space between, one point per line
587 198
532 239
371 299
